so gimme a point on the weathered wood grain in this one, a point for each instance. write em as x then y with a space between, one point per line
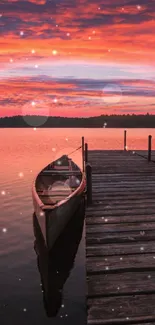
109 179
122 310
115 228
122 175
128 248
127 183
119 170
93 219
125 263
117 212
120 239
122 283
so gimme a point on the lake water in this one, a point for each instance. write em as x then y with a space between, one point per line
24 152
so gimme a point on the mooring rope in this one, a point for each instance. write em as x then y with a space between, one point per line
74 150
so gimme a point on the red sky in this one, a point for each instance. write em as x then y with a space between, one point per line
77 58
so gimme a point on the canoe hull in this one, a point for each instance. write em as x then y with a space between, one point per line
57 193
40 214
52 222
59 218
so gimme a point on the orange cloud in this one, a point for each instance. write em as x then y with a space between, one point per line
74 98
38 2
81 31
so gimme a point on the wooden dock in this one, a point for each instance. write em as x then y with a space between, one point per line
120 239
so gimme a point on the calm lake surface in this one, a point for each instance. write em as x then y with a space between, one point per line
24 152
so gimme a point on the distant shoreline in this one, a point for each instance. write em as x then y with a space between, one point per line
75 127
103 121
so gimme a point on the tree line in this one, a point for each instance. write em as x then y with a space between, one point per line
108 121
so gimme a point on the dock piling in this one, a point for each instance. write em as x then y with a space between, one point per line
149 147
89 183
86 153
83 153
125 147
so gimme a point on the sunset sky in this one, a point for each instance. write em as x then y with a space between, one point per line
77 57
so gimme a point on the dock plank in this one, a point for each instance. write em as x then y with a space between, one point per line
129 248
97 220
118 227
125 263
121 283
139 210
121 310
120 239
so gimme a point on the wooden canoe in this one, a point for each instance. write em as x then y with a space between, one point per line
55 266
57 192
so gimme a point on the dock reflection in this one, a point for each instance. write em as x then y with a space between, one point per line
55 266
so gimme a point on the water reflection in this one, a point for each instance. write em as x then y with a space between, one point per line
55 266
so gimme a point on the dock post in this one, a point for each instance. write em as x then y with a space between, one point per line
149 147
83 153
125 140
89 183
86 153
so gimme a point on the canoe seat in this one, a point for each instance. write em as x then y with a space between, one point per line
42 192
49 201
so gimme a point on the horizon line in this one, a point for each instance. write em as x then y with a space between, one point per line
78 117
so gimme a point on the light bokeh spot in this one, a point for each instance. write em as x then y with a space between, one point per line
112 94
36 112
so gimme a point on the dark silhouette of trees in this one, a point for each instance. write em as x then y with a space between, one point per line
112 121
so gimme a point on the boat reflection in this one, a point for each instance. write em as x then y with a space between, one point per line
55 265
